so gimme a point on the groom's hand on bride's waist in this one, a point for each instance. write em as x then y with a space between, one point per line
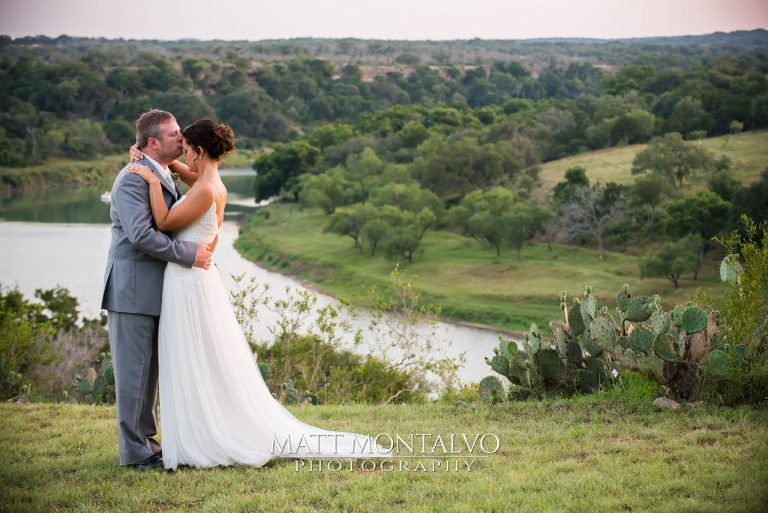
203 256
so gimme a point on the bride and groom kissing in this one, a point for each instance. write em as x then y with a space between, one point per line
170 321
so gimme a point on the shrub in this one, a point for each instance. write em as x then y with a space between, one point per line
742 376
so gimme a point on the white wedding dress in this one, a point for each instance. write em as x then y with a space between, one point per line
215 408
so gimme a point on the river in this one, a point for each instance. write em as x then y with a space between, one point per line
61 237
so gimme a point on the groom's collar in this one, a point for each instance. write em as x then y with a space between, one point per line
155 163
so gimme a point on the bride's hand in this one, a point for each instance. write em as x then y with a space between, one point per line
143 171
135 153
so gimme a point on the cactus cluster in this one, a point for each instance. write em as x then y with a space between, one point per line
95 387
590 346
289 395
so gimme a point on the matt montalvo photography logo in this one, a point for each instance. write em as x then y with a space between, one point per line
415 452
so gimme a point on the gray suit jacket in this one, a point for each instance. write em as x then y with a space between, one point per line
133 280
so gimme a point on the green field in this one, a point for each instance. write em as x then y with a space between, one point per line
468 282
747 151
592 453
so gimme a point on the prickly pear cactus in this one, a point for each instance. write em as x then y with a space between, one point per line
491 390
590 347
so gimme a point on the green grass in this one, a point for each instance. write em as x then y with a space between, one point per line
59 171
585 454
468 282
748 151
240 159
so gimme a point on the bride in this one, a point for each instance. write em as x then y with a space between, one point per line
215 407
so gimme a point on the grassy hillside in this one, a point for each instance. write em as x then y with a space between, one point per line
748 151
469 283
588 454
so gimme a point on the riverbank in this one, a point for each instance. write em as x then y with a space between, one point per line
589 453
467 282
61 172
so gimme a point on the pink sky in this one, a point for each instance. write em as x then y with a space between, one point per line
378 19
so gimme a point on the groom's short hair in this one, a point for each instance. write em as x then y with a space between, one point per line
148 125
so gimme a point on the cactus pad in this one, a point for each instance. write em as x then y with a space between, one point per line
622 300
491 390
718 363
575 320
534 339
603 332
639 309
559 331
677 314
500 364
591 346
694 320
660 322
574 352
584 380
549 363
589 309
665 348
596 366
640 339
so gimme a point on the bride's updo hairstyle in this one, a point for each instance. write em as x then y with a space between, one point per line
216 139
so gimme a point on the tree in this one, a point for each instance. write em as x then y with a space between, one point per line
635 126
279 169
575 177
591 209
349 221
408 197
671 157
330 135
497 217
674 259
522 219
186 107
329 190
702 212
647 193
374 231
248 111
752 201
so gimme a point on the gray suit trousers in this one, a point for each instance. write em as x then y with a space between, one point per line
133 342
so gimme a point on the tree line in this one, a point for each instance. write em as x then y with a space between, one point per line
62 100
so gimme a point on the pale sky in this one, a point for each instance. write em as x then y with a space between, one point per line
378 19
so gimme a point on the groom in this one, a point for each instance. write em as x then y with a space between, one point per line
133 285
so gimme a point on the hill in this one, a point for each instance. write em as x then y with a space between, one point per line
748 151
469 282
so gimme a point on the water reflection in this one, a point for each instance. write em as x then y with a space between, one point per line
82 204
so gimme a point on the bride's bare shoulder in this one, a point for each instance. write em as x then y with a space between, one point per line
203 189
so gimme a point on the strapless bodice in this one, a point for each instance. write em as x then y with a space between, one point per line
204 230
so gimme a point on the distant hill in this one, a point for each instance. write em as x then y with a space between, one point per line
681 51
747 38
